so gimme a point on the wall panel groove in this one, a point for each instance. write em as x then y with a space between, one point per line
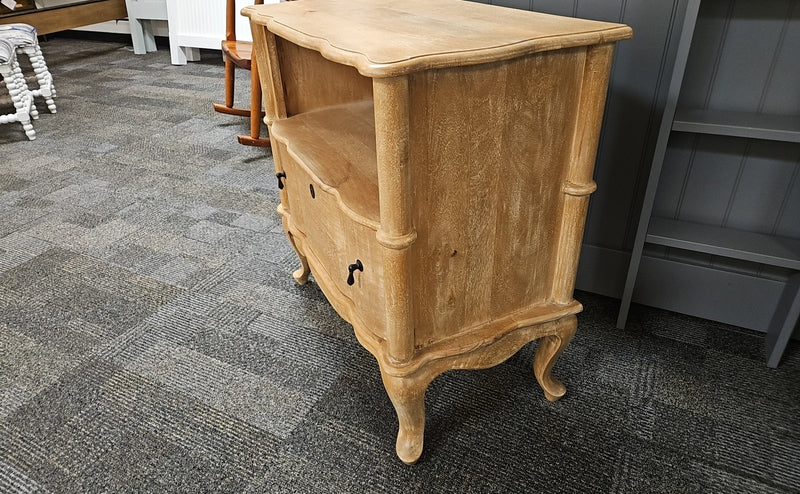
775 57
719 52
653 122
737 182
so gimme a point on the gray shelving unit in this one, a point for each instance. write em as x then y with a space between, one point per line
723 118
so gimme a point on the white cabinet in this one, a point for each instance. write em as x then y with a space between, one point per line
193 24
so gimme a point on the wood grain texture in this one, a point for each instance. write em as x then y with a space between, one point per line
459 186
337 145
489 137
385 38
579 168
396 232
301 68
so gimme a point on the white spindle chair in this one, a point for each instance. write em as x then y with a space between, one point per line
15 83
24 39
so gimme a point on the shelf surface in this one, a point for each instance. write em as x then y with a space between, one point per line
727 242
337 145
383 38
739 124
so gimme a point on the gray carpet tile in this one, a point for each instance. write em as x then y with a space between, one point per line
152 338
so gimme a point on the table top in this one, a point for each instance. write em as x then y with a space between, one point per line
383 38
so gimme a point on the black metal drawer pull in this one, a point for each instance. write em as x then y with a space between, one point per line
352 268
311 188
279 176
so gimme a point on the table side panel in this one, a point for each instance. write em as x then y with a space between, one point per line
488 158
311 82
265 53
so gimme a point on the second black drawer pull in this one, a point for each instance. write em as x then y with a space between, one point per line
279 176
357 266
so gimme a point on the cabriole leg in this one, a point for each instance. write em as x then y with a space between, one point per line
408 397
550 348
300 275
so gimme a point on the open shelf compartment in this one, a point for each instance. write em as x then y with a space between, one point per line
337 146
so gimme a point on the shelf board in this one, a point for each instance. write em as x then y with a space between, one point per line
739 124
337 145
727 242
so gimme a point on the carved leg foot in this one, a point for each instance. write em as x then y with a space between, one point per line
408 397
550 348
300 275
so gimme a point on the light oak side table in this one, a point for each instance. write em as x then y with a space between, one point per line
435 163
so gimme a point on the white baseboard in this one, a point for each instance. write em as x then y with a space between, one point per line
160 28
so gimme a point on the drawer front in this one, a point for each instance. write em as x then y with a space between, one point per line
337 242
316 220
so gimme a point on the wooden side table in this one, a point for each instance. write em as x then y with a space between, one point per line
435 175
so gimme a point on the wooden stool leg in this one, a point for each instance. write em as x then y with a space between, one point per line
550 348
254 139
39 54
230 79
230 83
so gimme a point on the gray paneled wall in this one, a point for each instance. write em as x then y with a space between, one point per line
745 57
